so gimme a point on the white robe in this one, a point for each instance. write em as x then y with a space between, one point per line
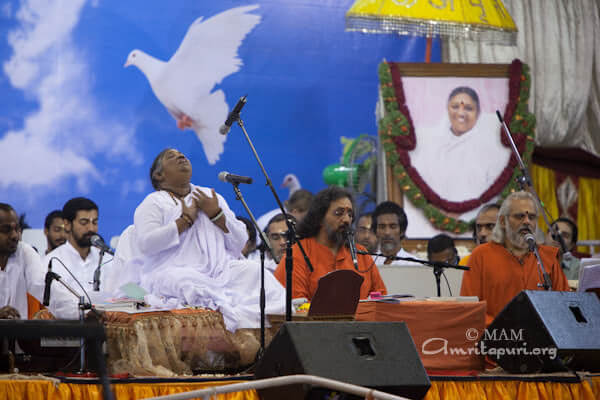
24 273
270 264
460 168
379 261
199 267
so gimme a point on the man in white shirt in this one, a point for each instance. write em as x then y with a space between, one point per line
21 272
186 246
76 260
389 224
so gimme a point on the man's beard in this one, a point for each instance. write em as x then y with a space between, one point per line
516 237
336 237
55 243
84 241
388 247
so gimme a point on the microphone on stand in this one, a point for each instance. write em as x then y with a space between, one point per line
97 241
530 239
49 279
225 176
546 282
349 233
233 116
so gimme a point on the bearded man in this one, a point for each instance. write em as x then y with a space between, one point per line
21 272
322 231
79 259
505 266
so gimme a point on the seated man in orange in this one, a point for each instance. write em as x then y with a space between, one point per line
504 266
323 239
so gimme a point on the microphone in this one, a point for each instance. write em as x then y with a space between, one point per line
233 115
349 233
97 241
531 241
499 116
49 279
225 176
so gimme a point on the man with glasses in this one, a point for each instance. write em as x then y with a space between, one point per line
389 224
21 272
505 266
441 248
276 231
322 231
364 232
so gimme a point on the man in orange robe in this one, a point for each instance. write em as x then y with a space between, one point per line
322 230
505 266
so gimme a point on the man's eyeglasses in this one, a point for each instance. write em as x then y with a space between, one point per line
339 212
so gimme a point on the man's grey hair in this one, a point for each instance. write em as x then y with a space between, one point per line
499 232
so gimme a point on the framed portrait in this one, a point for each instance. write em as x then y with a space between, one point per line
446 152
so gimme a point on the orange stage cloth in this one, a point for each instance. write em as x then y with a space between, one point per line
444 332
456 389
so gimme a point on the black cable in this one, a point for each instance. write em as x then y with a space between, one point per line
73 276
447 283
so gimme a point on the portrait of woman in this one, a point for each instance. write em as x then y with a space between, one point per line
461 154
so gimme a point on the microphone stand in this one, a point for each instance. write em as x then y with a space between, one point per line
263 236
97 272
526 184
438 266
82 307
545 278
291 230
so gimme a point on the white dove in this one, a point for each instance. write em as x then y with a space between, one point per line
291 182
184 84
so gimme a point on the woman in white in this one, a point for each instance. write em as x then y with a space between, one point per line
462 156
185 247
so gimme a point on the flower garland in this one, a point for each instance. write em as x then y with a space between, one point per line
397 133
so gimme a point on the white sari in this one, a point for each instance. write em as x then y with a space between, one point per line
199 267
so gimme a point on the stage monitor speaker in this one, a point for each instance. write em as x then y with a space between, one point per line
379 355
546 331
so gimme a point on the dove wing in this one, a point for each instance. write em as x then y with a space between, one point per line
208 52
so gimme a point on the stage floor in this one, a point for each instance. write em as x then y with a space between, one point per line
505 387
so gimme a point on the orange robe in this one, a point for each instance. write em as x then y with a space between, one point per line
497 276
324 261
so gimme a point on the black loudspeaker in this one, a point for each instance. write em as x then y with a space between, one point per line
542 331
379 355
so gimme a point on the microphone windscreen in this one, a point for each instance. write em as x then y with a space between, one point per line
223 176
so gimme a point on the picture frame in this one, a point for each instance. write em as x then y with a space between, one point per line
416 98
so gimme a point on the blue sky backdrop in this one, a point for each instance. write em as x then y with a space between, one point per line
75 122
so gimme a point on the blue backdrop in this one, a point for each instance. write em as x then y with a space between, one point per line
74 122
